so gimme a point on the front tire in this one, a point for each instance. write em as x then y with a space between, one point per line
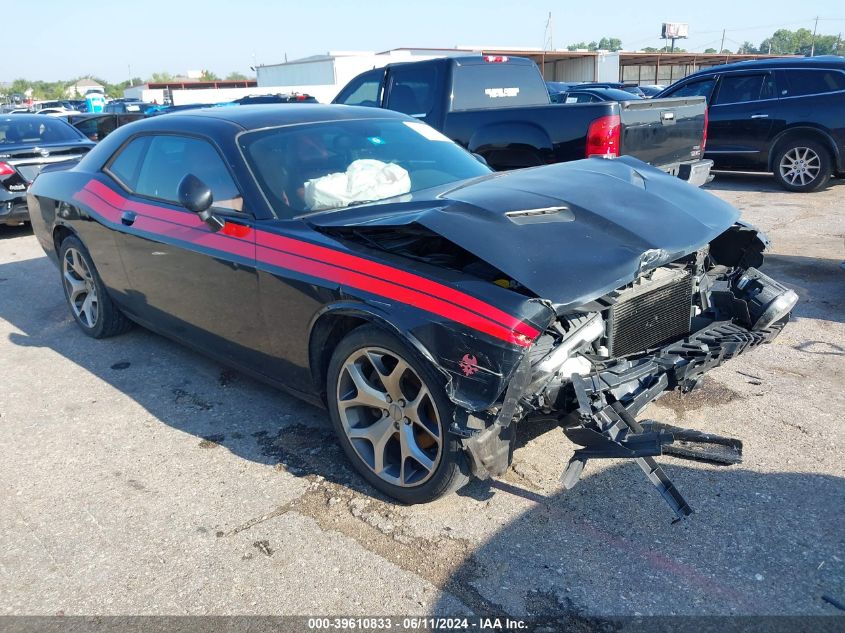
802 166
391 415
89 302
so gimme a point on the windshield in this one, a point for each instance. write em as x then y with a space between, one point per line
319 166
22 130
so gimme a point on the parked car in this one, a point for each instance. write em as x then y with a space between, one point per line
618 85
651 91
97 126
274 98
597 95
28 142
499 108
557 89
363 261
126 107
56 111
785 116
62 105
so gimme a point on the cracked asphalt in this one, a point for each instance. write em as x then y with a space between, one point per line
138 477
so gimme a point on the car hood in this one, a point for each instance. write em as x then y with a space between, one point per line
570 232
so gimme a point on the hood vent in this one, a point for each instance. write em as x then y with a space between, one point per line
545 214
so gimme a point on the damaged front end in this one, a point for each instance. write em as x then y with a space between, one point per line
599 364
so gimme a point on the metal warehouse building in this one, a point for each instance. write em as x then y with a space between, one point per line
324 75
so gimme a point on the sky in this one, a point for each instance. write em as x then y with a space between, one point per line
60 40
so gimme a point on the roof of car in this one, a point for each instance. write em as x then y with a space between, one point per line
252 117
821 61
616 94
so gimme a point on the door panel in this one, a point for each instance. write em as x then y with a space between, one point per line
184 279
742 112
192 283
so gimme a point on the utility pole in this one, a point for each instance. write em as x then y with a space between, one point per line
722 47
813 45
548 35
129 68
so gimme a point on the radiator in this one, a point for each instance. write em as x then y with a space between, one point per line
653 312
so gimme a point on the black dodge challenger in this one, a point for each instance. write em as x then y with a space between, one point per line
363 261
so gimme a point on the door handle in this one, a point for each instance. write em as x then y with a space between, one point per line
127 218
759 116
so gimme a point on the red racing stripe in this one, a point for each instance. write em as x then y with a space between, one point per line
306 258
395 275
390 290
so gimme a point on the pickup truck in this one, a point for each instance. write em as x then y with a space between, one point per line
498 107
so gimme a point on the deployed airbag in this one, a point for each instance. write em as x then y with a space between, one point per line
363 180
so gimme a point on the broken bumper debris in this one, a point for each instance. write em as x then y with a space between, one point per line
599 377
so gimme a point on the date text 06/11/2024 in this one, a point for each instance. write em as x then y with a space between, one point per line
416 623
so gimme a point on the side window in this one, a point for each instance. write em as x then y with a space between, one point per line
700 88
743 88
363 91
126 165
170 158
795 83
412 90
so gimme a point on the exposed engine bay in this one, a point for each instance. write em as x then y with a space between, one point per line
595 369
631 300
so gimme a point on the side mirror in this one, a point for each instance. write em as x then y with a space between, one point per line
196 196
481 159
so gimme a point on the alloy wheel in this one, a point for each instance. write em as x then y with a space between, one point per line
389 416
800 166
80 287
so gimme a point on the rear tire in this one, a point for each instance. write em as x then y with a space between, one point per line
391 415
802 165
89 301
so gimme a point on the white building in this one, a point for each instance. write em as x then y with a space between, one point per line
81 87
322 76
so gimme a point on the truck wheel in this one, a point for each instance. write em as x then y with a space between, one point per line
92 308
391 414
802 165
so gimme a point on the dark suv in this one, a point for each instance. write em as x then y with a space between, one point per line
783 115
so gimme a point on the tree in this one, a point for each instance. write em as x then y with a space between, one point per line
582 46
665 49
747 48
610 44
161 78
710 51
236 76
207 75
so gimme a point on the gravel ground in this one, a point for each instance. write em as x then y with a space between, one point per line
139 477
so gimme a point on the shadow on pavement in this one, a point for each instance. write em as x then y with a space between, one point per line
179 387
820 284
761 182
607 547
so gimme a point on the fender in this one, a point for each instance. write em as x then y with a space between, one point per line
442 344
813 129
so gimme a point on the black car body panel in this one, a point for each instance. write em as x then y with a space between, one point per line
492 280
745 130
502 111
588 94
582 231
98 126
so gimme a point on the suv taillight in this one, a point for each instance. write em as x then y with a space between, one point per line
603 137
704 135
6 169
